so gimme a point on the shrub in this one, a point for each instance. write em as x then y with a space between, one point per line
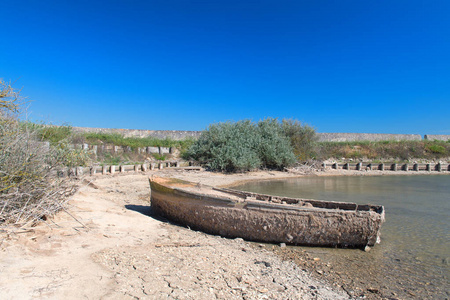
303 139
227 147
134 142
436 148
243 146
28 188
274 148
383 150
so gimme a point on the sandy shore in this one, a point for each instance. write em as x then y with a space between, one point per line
108 245
112 247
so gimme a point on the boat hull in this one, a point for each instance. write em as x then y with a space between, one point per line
264 221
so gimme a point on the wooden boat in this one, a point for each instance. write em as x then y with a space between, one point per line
264 218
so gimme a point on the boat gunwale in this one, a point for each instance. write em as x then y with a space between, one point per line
267 204
322 203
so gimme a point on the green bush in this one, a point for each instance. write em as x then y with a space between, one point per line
243 146
437 149
50 133
274 148
227 147
134 142
383 150
303 139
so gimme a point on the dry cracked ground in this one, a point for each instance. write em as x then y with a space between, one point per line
108 245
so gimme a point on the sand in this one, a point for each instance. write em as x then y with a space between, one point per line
109 245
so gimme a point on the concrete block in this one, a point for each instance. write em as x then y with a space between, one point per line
72 172
164 150
62 173
153 150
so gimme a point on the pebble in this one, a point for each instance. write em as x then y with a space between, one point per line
216 267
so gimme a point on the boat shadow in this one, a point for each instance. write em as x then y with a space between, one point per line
146 210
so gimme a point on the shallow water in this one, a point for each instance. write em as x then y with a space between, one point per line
414 253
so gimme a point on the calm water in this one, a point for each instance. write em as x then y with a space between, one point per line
415 245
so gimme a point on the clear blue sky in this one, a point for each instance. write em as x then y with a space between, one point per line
339 66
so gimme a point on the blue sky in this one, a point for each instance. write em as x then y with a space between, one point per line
339 66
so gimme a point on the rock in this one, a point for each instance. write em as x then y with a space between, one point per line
289 237
282 245
367 249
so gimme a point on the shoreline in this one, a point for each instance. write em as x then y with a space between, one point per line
229 180
110 245
347 269
107 244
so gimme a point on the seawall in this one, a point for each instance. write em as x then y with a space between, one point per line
373 137
160 134
323 137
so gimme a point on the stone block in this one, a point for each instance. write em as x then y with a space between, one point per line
153 150
164 150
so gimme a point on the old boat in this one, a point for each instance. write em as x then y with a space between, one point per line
264 218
